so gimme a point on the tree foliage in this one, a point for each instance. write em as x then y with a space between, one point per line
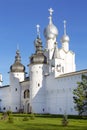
80 96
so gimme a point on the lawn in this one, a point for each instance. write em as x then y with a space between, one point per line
42 123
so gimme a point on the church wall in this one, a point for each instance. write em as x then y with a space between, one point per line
59 91
5 99
25 99
18 75
69 60
15 93
59 67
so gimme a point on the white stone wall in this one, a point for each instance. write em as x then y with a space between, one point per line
5 103
59 67
18 75
59 94
15 92
53 95
70 62
25 101
12 97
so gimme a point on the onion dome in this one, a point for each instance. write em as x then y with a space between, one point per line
51 31
38 57
65 37
17 66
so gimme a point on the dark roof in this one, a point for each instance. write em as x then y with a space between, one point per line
17 66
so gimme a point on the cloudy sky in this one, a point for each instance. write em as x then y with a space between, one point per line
18 20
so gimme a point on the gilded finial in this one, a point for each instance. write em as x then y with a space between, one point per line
38 30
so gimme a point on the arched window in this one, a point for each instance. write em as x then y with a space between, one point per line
26 93
58 67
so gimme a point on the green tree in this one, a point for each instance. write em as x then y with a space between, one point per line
80 96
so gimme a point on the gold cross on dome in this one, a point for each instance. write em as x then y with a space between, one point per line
51 11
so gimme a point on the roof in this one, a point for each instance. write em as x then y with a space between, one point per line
4 86
73 73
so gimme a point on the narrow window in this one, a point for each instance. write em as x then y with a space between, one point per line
63 69
4 108
15 89
38 84
58 68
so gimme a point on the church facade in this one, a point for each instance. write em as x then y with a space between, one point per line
51 81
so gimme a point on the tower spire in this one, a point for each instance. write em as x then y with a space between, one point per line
50 17
17 57
17 46
64 27
38 30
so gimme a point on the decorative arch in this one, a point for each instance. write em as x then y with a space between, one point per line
26 93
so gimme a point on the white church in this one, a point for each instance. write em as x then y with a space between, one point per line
51 81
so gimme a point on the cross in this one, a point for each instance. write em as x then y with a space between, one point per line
64 27
38 30
51 11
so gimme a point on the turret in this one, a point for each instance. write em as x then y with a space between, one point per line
37 67
17 75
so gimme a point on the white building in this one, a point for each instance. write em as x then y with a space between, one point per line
52 77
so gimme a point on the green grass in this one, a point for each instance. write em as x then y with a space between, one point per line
42 123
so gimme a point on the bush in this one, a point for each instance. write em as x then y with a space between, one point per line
32 116
9 112
4 116
10 119
65 120
25 118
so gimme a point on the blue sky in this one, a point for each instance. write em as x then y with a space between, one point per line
18 20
